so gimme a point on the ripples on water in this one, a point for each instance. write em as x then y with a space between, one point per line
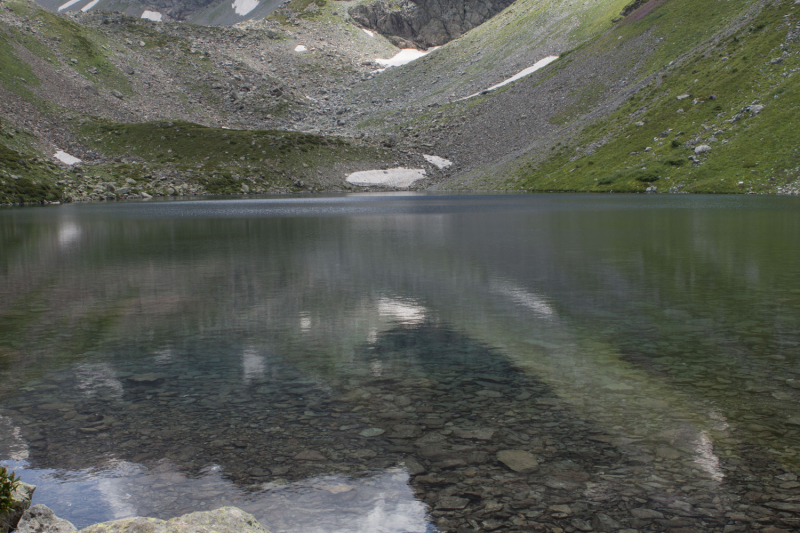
356 364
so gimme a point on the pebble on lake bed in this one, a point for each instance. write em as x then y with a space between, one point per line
518 460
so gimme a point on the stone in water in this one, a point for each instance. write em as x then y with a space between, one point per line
518 460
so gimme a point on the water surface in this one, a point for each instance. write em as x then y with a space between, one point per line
360 363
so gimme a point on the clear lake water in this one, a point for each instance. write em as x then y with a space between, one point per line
408 363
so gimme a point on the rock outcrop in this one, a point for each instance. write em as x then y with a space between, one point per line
425 23
42 519
223 520
22 501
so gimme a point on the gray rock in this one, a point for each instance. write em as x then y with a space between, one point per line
224 520
783 506
414 467
21 501
116 94
703 148
518 460
452 503
310 455
603 522
372 432
41 519
474 434
583 525
646 514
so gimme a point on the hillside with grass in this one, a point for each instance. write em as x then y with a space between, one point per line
717 119
657 96
675 96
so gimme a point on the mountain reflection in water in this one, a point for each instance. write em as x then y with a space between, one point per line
359 362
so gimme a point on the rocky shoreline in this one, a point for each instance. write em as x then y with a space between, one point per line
24 518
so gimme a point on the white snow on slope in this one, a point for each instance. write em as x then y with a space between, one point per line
404 56
300 48
71 3
394 177
90 5
65 158
438 162
519 75
155 16
243 7
370 33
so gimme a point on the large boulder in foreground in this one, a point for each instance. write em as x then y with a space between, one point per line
21 502
223 520
42 519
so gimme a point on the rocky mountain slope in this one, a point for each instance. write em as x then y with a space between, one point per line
205 12
425 22
658 95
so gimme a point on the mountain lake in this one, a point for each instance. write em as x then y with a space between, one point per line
408 363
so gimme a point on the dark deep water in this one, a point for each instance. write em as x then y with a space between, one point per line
361 363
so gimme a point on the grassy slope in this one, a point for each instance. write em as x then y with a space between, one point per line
525 32
218 158
755 152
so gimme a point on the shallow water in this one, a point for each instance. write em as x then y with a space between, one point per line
360 363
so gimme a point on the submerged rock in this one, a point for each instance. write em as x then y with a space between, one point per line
223 520
518 460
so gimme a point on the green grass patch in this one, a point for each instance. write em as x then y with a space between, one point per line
650 139
219 159
24 178
16 75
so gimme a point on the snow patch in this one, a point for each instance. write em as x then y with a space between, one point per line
370 33
155 16
404 56
438 162
65 158
71 3
300 48
243 7
519 75
90 5
394 177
